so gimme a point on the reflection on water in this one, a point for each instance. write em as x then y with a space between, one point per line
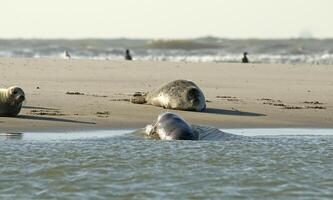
50 136
11 135
116 164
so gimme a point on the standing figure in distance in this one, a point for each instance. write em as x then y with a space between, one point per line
128 55
245 59
66 55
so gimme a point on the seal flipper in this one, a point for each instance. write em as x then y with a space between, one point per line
148 133
139 98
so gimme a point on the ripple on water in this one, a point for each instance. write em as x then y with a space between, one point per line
279 167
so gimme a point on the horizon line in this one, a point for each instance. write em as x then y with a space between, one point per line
163 38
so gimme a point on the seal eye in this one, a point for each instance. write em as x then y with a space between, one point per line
15 92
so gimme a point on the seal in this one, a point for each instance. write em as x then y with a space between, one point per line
170 126
11 100
177 95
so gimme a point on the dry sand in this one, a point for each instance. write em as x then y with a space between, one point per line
238 95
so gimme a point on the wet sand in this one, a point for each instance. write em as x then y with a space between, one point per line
65 95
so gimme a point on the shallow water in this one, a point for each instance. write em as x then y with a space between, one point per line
271 164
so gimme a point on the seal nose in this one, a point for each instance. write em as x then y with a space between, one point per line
192 93
21 98
198 102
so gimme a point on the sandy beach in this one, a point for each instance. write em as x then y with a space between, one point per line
64 95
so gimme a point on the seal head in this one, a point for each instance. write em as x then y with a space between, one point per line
11 100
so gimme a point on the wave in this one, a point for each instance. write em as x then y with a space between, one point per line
180 44
207 49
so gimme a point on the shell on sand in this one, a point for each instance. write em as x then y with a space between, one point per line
177 95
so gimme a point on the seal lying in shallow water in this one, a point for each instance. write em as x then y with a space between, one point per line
170 126
11 101
178 95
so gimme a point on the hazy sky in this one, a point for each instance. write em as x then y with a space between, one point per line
165 18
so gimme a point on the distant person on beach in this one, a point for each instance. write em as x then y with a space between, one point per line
128 55
245 59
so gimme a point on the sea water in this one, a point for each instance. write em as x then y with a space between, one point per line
264 164
206 49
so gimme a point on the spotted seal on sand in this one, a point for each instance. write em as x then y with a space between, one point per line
11 100
177 95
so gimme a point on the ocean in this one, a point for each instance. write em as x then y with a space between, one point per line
205 49
259 164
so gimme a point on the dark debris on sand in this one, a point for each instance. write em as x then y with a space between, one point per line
74 93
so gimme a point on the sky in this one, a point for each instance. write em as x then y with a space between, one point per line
165 18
